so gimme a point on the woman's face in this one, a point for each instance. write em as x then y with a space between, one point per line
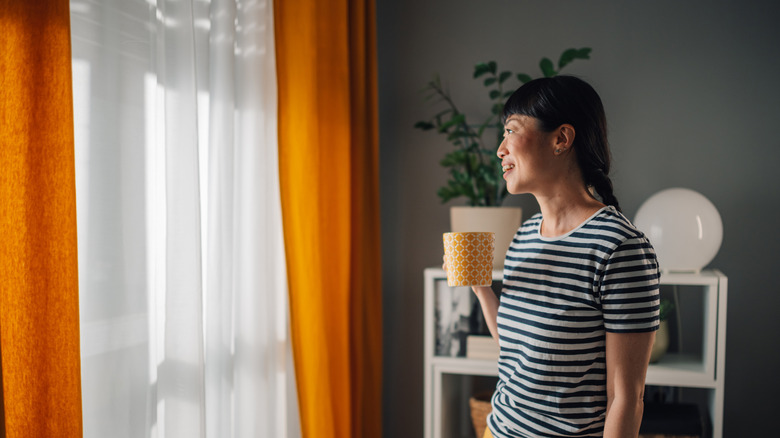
526 155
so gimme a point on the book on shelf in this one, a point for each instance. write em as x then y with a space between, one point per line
481 347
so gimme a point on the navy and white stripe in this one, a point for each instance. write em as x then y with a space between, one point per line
560 296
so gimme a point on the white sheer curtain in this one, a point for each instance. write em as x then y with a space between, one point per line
182 279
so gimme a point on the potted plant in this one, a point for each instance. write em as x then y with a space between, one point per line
661 344
474 170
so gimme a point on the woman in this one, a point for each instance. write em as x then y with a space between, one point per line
579 306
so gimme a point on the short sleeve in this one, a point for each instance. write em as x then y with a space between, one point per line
630 288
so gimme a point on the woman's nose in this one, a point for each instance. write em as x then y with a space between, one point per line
501 150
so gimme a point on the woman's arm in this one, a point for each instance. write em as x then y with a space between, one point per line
628 355
489 302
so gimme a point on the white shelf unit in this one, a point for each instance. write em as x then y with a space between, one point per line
704 370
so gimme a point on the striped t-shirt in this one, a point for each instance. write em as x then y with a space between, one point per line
559 297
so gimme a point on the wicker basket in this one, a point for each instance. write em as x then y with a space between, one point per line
480 408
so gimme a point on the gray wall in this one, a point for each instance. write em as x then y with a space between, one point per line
691 94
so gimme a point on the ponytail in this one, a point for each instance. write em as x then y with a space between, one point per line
601 182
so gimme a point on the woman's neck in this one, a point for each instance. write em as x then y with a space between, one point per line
566 210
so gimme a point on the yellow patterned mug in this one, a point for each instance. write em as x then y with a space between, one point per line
469 258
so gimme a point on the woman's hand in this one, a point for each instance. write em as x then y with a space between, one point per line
487 300
489 303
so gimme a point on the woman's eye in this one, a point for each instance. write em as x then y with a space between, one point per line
507 131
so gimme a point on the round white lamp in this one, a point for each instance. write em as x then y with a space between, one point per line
683 226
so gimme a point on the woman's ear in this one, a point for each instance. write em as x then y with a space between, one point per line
564 138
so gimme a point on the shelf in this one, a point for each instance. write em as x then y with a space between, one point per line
483 367
709 277
672 370
439 274
680 370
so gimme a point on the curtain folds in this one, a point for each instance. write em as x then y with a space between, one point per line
251 386
39 328
326 64
183 292
177 340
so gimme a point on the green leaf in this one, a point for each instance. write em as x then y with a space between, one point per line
584 53
508 93
497 108
454 158
566 57
494 94
482 68
490 178
490 81
460 177
425 126
456 119
492 66
570 55
481 172
504 76
547 67
522 77
474 161
460 134
480 192
492 159
446 193
666 307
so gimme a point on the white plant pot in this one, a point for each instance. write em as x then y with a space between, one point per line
504 221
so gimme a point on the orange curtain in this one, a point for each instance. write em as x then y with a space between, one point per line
328 158
39 331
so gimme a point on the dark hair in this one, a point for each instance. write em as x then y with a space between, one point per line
568 99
